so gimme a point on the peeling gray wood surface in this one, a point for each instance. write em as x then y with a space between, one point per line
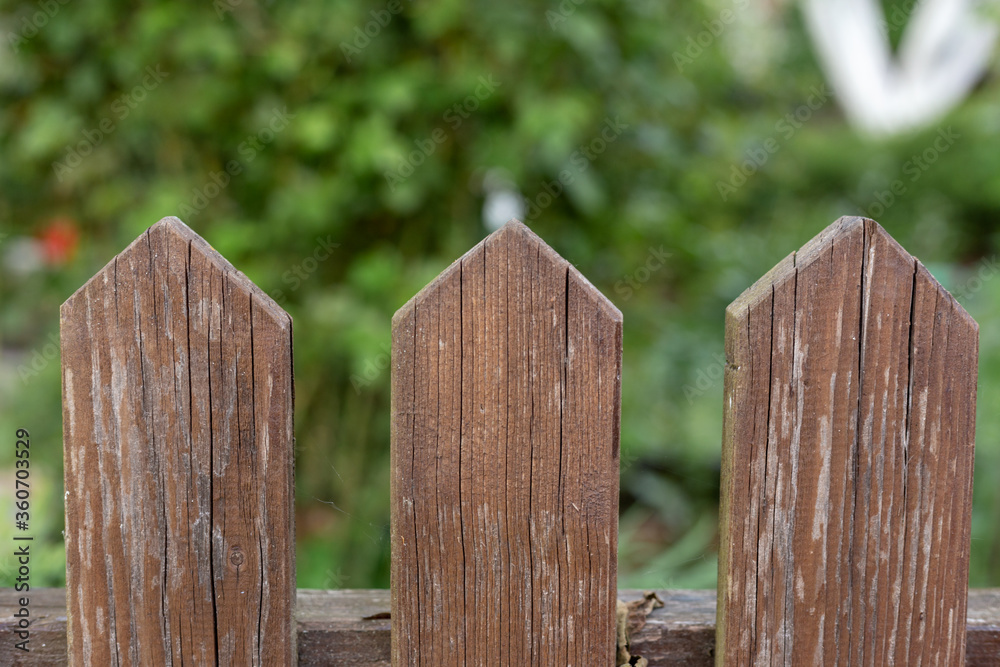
848 441
177 427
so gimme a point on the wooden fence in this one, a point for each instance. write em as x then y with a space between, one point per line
849 419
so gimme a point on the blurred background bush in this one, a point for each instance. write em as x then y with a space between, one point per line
388 137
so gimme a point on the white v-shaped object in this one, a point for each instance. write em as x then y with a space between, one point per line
946 46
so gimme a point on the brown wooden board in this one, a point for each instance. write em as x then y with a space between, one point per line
505 415
848 442
177 428
334 628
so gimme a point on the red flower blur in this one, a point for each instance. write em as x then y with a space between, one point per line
59 240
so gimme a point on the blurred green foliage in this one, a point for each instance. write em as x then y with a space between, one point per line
114 115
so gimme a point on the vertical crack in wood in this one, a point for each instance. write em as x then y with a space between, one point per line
188 315
208 317
142 286
768 454
169 324
587 506
116 443
864 302
259 640
252 472
931 563
434 588
536 280
561 499
762 501
796 393
413 493
461 448
115 283
507 622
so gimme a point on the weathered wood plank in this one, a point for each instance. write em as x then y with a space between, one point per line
177 422
332 629
506 387
847 460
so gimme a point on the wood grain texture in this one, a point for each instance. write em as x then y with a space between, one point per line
849 419
333 630
505 415
177 428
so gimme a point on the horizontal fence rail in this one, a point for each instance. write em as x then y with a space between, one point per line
352 627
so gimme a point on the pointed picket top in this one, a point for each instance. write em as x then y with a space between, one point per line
523 235
847 460
177 427
505 411
181 233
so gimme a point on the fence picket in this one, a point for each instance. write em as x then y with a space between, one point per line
847 460
177 419
505 416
